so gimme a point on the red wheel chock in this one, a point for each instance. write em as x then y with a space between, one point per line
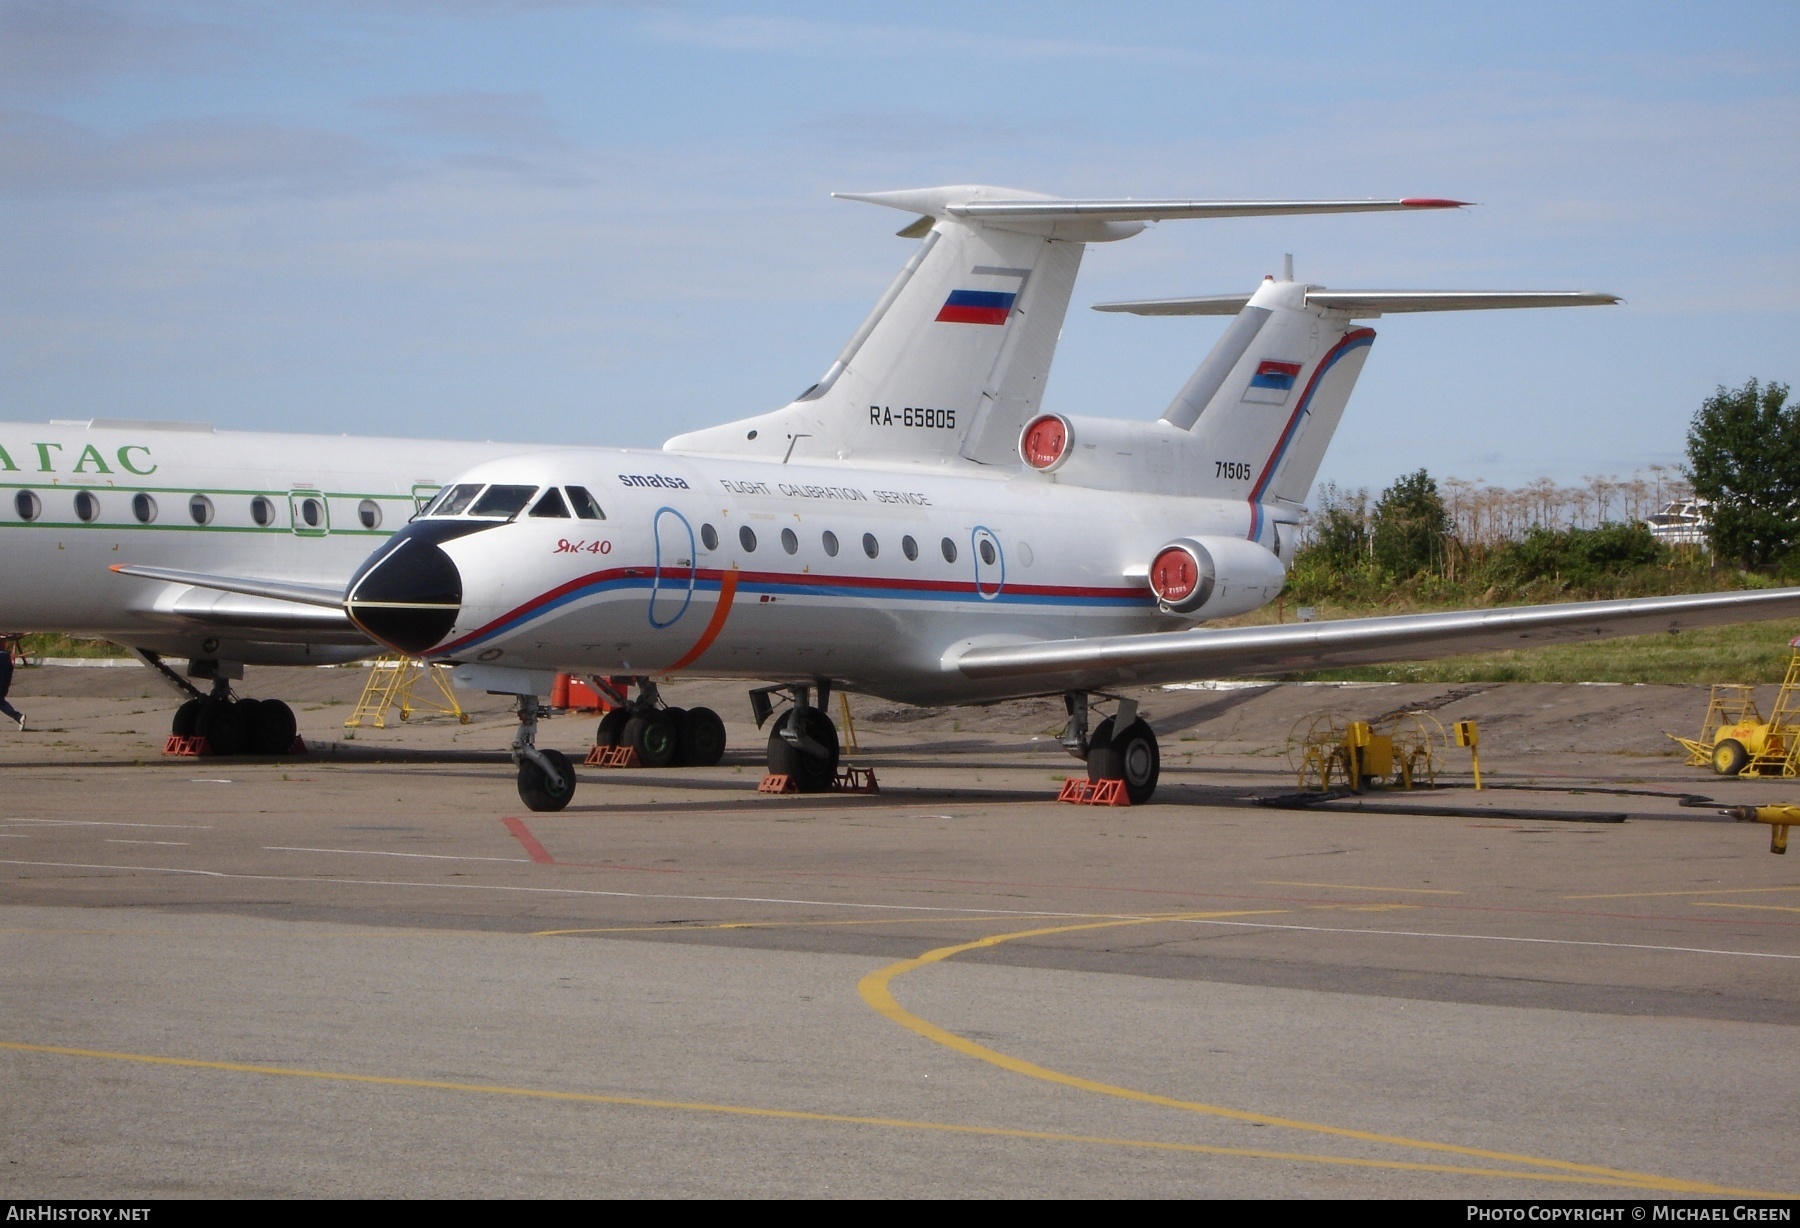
612 757
1081 792
775 783
186 747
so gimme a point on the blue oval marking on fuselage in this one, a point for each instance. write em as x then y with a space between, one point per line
656 580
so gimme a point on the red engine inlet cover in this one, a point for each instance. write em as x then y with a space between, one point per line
1044 442
1174 575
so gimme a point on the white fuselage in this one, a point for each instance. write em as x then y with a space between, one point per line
727 568
190 497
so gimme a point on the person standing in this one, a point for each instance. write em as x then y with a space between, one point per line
7 644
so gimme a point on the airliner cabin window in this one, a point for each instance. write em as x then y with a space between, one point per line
28 505
143 507
87 507
871 547
747 539
709 537
789 542
552 505
987 552
201 509
368 512
503 502
949 549
262 511
828 539
586 507
910 549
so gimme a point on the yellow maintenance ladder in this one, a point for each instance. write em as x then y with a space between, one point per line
1736 741
408 684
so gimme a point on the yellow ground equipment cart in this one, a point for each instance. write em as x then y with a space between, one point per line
409 685
1735 740
1401 751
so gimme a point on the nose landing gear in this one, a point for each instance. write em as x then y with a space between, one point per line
546 777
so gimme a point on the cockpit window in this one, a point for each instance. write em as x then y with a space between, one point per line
585 505
502 501
452 500
552 505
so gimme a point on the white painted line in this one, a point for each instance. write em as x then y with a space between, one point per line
282 848
117 840
1558 942
104 823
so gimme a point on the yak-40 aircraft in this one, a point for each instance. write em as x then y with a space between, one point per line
913 527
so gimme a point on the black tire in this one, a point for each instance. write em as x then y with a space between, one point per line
272 726
1132 756
809 773
675 717
1102 762
221 722
612 725
1729 757
182 723
535 789
702 737
653 735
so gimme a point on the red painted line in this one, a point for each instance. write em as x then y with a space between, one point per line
522 834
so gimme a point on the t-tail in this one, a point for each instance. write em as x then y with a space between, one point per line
1257 415
952 362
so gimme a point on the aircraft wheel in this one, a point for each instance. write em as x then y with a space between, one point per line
809 773
702 737
611 726
1729 757
221 722
182 724
272 726
677 717
535 789
1132 756
653 734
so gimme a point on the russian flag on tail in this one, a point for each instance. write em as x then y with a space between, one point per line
976 307
1273 381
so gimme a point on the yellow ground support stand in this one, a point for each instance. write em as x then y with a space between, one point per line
1727 704
1750 745
849 725
408 684
1400 752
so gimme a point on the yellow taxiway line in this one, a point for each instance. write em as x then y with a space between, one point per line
875 990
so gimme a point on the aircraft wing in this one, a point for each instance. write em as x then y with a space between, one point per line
280 590
1368 304
1182 656
278 610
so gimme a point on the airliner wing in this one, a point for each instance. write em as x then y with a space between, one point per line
279 590
1178 656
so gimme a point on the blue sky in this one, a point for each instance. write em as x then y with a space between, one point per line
606 223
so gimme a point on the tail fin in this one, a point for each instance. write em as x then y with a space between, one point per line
954 358
1264 404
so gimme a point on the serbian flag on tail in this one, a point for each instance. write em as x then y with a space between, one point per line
1273 382
976 307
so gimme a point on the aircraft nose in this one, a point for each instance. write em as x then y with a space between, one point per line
407 597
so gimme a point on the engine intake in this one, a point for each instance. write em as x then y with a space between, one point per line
1214 576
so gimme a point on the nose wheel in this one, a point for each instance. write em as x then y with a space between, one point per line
546 777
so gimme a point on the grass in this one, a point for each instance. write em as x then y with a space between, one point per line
1747 652
55 644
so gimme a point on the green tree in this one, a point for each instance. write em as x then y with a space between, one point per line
1744 458
1410 527
1340 529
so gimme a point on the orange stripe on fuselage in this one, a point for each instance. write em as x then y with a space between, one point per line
728 582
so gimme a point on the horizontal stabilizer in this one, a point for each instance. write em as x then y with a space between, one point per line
1169 210
1183 656
277 590
1367 304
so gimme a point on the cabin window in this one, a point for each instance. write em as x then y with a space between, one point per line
949 549
201 509
551 506
871 547
709 537
501 501
143 507
747 539
987 552
829 540
262 511
368 512
585 505
790 542
312 512
910 549
87 507
28 505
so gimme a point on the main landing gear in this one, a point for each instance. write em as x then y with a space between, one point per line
803 743
230 725
662 736
1121 747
